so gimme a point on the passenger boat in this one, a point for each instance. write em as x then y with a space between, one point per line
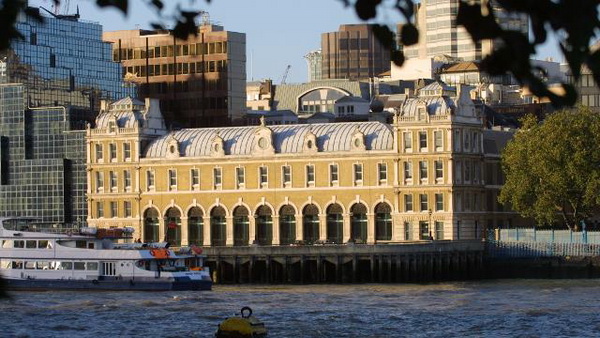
95 259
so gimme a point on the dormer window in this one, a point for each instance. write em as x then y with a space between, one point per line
112 126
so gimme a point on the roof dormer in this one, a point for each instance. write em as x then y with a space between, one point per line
310 143
172 147
217 148
358 140
263 139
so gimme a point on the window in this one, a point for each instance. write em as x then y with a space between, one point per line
99 181
467 141
127 208
286 174
407 141
424 232
439 170
438 140
407 231
423 201
113 152
333 175
382 172
423 170
407 171
217 178
310 175
439 202
457 140
240 177
408 202
467 171
113 181
127 151
114 210
99 209
195 178
423 141
458 172
475 142
99 153
127 180
358 174
439 230
150 179
263 177
172 179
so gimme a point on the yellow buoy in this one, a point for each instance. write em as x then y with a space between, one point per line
242 327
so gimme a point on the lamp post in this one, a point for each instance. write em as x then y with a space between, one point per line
430 225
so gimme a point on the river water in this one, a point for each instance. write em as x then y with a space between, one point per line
525 308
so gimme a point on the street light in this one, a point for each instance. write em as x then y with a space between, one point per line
430 225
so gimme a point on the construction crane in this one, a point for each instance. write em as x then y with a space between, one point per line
285 74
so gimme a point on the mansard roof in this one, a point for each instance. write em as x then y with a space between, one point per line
287 139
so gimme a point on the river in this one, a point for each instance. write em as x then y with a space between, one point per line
526 308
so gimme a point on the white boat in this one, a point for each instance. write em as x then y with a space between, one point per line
93 259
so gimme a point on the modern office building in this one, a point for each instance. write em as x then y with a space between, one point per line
420 177
200 81
62 62
314 61
353 53
42 160
439 34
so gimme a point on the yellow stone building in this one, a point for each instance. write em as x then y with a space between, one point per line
419 178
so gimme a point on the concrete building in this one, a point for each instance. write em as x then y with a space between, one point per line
200 81
314 61
421 177
353 53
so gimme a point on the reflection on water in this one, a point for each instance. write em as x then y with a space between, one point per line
566 308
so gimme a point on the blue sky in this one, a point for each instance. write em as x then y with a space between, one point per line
278 32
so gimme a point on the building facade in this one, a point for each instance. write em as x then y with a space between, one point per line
200 81
314 62
353 53
370 182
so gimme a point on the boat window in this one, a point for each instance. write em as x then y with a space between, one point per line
90 245
43 244
43 265
17 264
81 244
30 265
79 265
31 244
19 244
66 266
92 266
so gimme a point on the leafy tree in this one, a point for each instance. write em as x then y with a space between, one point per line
552 168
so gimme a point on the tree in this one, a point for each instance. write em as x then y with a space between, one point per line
574 22
552 168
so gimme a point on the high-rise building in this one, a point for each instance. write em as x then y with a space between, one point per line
353 53
439 34
314 61
62 62
200 81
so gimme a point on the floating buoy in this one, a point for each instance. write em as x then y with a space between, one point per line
242 327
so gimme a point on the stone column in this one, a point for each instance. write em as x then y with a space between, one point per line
161 229
185 236
229 230
370 228
206 230
322 227
251 228
299 228
346 227
276 234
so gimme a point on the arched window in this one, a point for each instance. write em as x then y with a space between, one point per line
218 229
358 223
335 228
287 225
264 225
173 227
310 223
151 225
383 222
240 226
195 226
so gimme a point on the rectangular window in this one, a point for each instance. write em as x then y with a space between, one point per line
286 174
358 174
457 140
333 175
113 181
114 210
424 202
382 172
99 181
407 171
263 177
423 170
438 140
217 178
467 171
99 209
407 141
99 153
424 232
423 141
408 202
150 179
310 175
127 208
127 151
172 179
127 180
458 172
407 231
113 152
439 230
195 178
439 170
240 177
439 202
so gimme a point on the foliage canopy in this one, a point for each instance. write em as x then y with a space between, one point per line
552 168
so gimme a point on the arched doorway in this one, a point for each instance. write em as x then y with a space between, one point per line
310 223
335 224
151 225
287 225
195 226
264 225
240 226
173 227
358 223
218 228
383 222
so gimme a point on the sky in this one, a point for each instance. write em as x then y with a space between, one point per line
278 32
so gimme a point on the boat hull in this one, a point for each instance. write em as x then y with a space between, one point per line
108 285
